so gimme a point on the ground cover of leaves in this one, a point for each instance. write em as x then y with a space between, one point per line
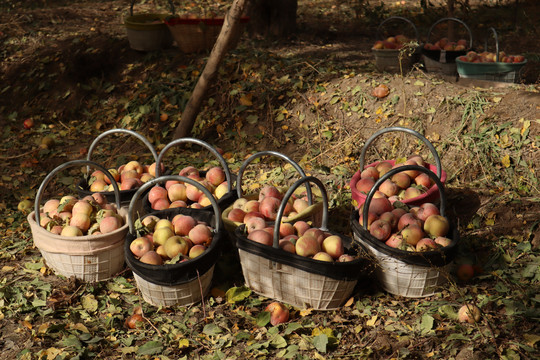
310 98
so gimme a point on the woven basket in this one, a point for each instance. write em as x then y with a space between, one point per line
431 195
89 258
183 283
83 187
296 280
313 213
196 35
223 202
148 32
401 272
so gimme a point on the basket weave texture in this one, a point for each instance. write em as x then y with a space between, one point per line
183 294
293 286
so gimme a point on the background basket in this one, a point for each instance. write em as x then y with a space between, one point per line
182 283
401 272
396 60
148 32
313 213
294 279
492 71
431 195
223 202
196 35
83 187
89 258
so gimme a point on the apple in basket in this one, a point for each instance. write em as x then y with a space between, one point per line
128 176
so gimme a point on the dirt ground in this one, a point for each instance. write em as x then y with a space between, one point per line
69 68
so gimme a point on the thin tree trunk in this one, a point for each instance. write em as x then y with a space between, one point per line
230 26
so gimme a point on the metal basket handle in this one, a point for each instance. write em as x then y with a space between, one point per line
390 173
133 3
72 163
496 37
451 19
408 131
122 131
205 145
399 18
276 154
286 197
151 183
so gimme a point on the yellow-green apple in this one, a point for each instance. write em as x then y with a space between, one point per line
469 313
383 167
189 170
402 180
160 250
279 313
388 188
322 256
442 241
150 222
215 175
114 173
176 245
71 231
110 223
221 190
177 192
152 258
201 234
236 215
98 185
307 246
426 244
269 206
301 227
196 250
412 234
370 172
270 191
411 193
380 230
81 220
164 223
262 237
161 235
436 225
345 258
333 245
141 246
365 184
396 241
66 203
239 203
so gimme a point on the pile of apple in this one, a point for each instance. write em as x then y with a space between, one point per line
418 228
171 241
404 185
489 57
128 176
179 194
391 42
447 45
69 216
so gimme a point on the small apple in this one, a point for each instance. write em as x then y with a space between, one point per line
279 313
152 258
333 246
140 246
380 230
436 225
176 245
236 215
269 206
323 256
307 246
262 237
465 272
469 313
201 234
28 123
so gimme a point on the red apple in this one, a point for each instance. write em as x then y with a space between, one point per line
270 191
380 230
151 257
262 237
279 313
469 313
236 215
269 206
426 244
140 246
183 224
215 175
201 235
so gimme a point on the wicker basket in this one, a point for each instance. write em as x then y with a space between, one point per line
401 272
293 279
183 283
83 187
196 35
89 258
223 202
429 196
313 213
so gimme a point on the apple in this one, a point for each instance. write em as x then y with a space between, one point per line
402 180
177 192
383 167
236 215
177 204
183 224
270 191
300 205
286 229
51 207
81 220
251 205
56 229
426 244
110 223
333 245
134 165
215 175
71 231
370 172
380 230
469 313
28 123
201 235
101 200
390 218
162 234
239 203
424 180
255 223
301 227
426 210
465 272
141 246
262 237
129 184
388 188
378 45
287 245
345 258
151 257
379 206
364 185
317 234
396 241
193 193
196 250
412 234
411 193
66 203
160 250
436 225
161 204
442 241
161 223
279 313
370 219
269 206
176 245
307 246
323 256
221 190
189 170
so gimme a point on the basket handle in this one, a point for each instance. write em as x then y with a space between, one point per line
124 131
276 154
393 171
496 37
133 3
451 19
408 131
203 144
399 18
151 183
288 194
72 163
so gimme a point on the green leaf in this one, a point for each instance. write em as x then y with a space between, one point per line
150 348
278 342
89 303
212 329
252 119
427 323
457 337
292 327
320 342
71 341
263 318
236 294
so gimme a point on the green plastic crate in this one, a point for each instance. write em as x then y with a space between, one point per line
494 71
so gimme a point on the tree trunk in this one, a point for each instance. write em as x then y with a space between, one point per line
230 27
275 18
